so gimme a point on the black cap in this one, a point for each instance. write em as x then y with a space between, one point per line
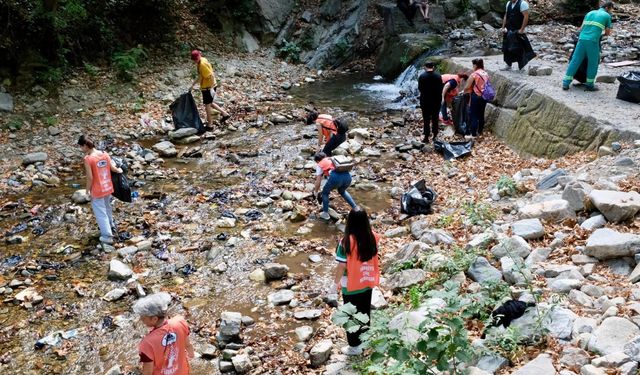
429 64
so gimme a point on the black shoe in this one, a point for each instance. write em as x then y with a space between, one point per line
208 128
224 119
591 88
425 140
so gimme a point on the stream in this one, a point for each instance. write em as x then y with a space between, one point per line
178 207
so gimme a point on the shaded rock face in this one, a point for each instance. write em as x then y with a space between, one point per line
398 51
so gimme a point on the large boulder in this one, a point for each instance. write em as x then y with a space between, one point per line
34 157
6 102
542 364
612 335
273 14
165 148
575 193
606 243
557 209
529 229
616 206
405 278
399 51
481 270
513 246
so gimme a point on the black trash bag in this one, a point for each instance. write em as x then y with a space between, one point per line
581 74
460 114
121 188
185 113
629 89
418 200
516 48
453 150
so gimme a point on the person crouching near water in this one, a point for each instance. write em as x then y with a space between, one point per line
335 181
166 349
358 270
331 132
98 167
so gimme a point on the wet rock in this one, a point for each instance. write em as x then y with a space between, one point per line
594 222
616 206
576 193
188 140
281 297
119 270
14 240
225 366
35 157
242 364
307 314
557 209
529 229
182 133
481 270
320 353
513 246
542 364
304 333
165 148
258 275
275 271
6 102
612 335
405 278
115 294
230 324
606 243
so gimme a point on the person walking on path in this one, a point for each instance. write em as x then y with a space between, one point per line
430 86
450 90
208 86
515 44
477 105
331 132
98 167
166 349
594 25
339 181
358 271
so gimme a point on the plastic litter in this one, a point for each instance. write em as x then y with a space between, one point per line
418 200
629 89
453 150
188 269
184 112
253 215
56 338
121 188
17 229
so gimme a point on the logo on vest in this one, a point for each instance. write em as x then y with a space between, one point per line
101 163
169 339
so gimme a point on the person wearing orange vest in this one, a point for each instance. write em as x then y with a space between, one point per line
98 166
335 181
331 132
166 349
358 270
451 83
477 105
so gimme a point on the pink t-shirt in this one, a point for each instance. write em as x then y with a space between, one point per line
166 347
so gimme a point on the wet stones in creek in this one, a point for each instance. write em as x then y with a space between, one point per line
275 271
35 157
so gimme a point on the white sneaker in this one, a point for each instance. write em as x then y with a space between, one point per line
505 68
325 216
352 350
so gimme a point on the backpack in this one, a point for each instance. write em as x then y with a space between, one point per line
488 93
342 163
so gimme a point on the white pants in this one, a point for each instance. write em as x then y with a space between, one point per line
104 216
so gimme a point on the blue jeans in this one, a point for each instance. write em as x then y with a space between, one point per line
339 181
104 217
476 115
444 110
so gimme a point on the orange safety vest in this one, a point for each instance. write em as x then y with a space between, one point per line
328 127
101 171
361 275
327 166
453 92
166 347
480 80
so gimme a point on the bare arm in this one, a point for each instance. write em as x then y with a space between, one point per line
194 83
189 348
147 368
504 23
444 91
114 167
525 22
340 268
316 188
320 136
87 170
469 86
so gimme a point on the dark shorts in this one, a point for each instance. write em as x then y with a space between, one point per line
208 95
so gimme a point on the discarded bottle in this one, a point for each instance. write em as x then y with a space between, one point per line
75 185
134 195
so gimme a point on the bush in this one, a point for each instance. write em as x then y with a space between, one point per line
126 62
290 52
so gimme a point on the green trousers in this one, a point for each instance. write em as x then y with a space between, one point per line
585 49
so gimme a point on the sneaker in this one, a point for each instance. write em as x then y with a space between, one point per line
224 119
447 122
468 137
591 88
325 216
565 87
352 350
105 240
506 68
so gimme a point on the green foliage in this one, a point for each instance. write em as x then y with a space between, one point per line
50 76
306 41
243 10
478 213
507 185
507 343
290 52
14 123
138 105
445 221
91 70
342 47
404 59
126 62
348 317
51 121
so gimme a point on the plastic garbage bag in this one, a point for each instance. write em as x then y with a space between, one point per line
629 89
56 338
121 188
453 150
460 114
418 200
184 112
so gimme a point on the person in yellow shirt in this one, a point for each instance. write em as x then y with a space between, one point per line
208 86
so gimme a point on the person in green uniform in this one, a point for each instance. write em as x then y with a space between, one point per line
595 23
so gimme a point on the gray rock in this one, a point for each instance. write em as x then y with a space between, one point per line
14 240
537 255
576 193
6 102
606 79
281 297
542 364
594 222
630 368
606 243
557 209
119 270
127 251
436 236
616 206
320 353
550 180
492 363
182 133
481 270
625 162
225 366
583 325
611 360
635 274
541 71
612 335
591 370
315 258
80 197
35 157
275 271
482 6
304 333
558 321
377 299
187 140
165 148
53 131
564 285
481 240
477 371
619 267
405 278
605 151
115 370
115 294
592 290
230 324
241 363
208 352
396 232
307 314
529 229
580 298
514 272
632 349
514 246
